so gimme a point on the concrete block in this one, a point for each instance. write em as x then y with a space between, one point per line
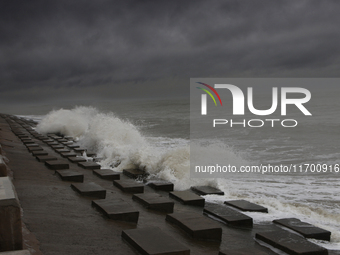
154 201
129 186
90 189
305 229
62 140
153 241
45 158
44 138
52 143
31 149
69 175
206 190
39 153
26 138
76 159
63 150
58 146
32 145
68 154
290 243
18 131
90 154
22 135
187 198
196 225
107 174
57 165
47 140
37 136
54 136
79 150
67 143
28 141
89 165
246 206
227 215
135 173
10 217
117 209
160 185
73 146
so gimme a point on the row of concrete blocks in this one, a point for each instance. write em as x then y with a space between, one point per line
56 142
199 227
152 241
59 145
51 161
10 216
141 241
226 214
194 224
10 219
120 210
64 147
93 189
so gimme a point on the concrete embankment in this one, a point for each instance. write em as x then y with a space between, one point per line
75 207
12 228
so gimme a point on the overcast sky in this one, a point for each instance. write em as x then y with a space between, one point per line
109 49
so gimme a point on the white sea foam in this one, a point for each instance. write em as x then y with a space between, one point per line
68 122
122 144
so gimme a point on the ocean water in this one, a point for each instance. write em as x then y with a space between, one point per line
154 135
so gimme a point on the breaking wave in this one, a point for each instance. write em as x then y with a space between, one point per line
122 145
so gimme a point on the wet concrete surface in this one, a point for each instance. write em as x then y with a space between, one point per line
64 222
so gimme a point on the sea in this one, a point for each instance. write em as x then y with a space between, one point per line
154 134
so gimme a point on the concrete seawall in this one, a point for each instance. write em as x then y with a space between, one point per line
62 208
3 167
11 225
10 217
10 211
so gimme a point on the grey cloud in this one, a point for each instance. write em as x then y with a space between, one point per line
73 45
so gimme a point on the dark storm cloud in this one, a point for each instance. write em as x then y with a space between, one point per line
125 47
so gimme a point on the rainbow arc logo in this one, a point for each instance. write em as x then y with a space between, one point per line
204 97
